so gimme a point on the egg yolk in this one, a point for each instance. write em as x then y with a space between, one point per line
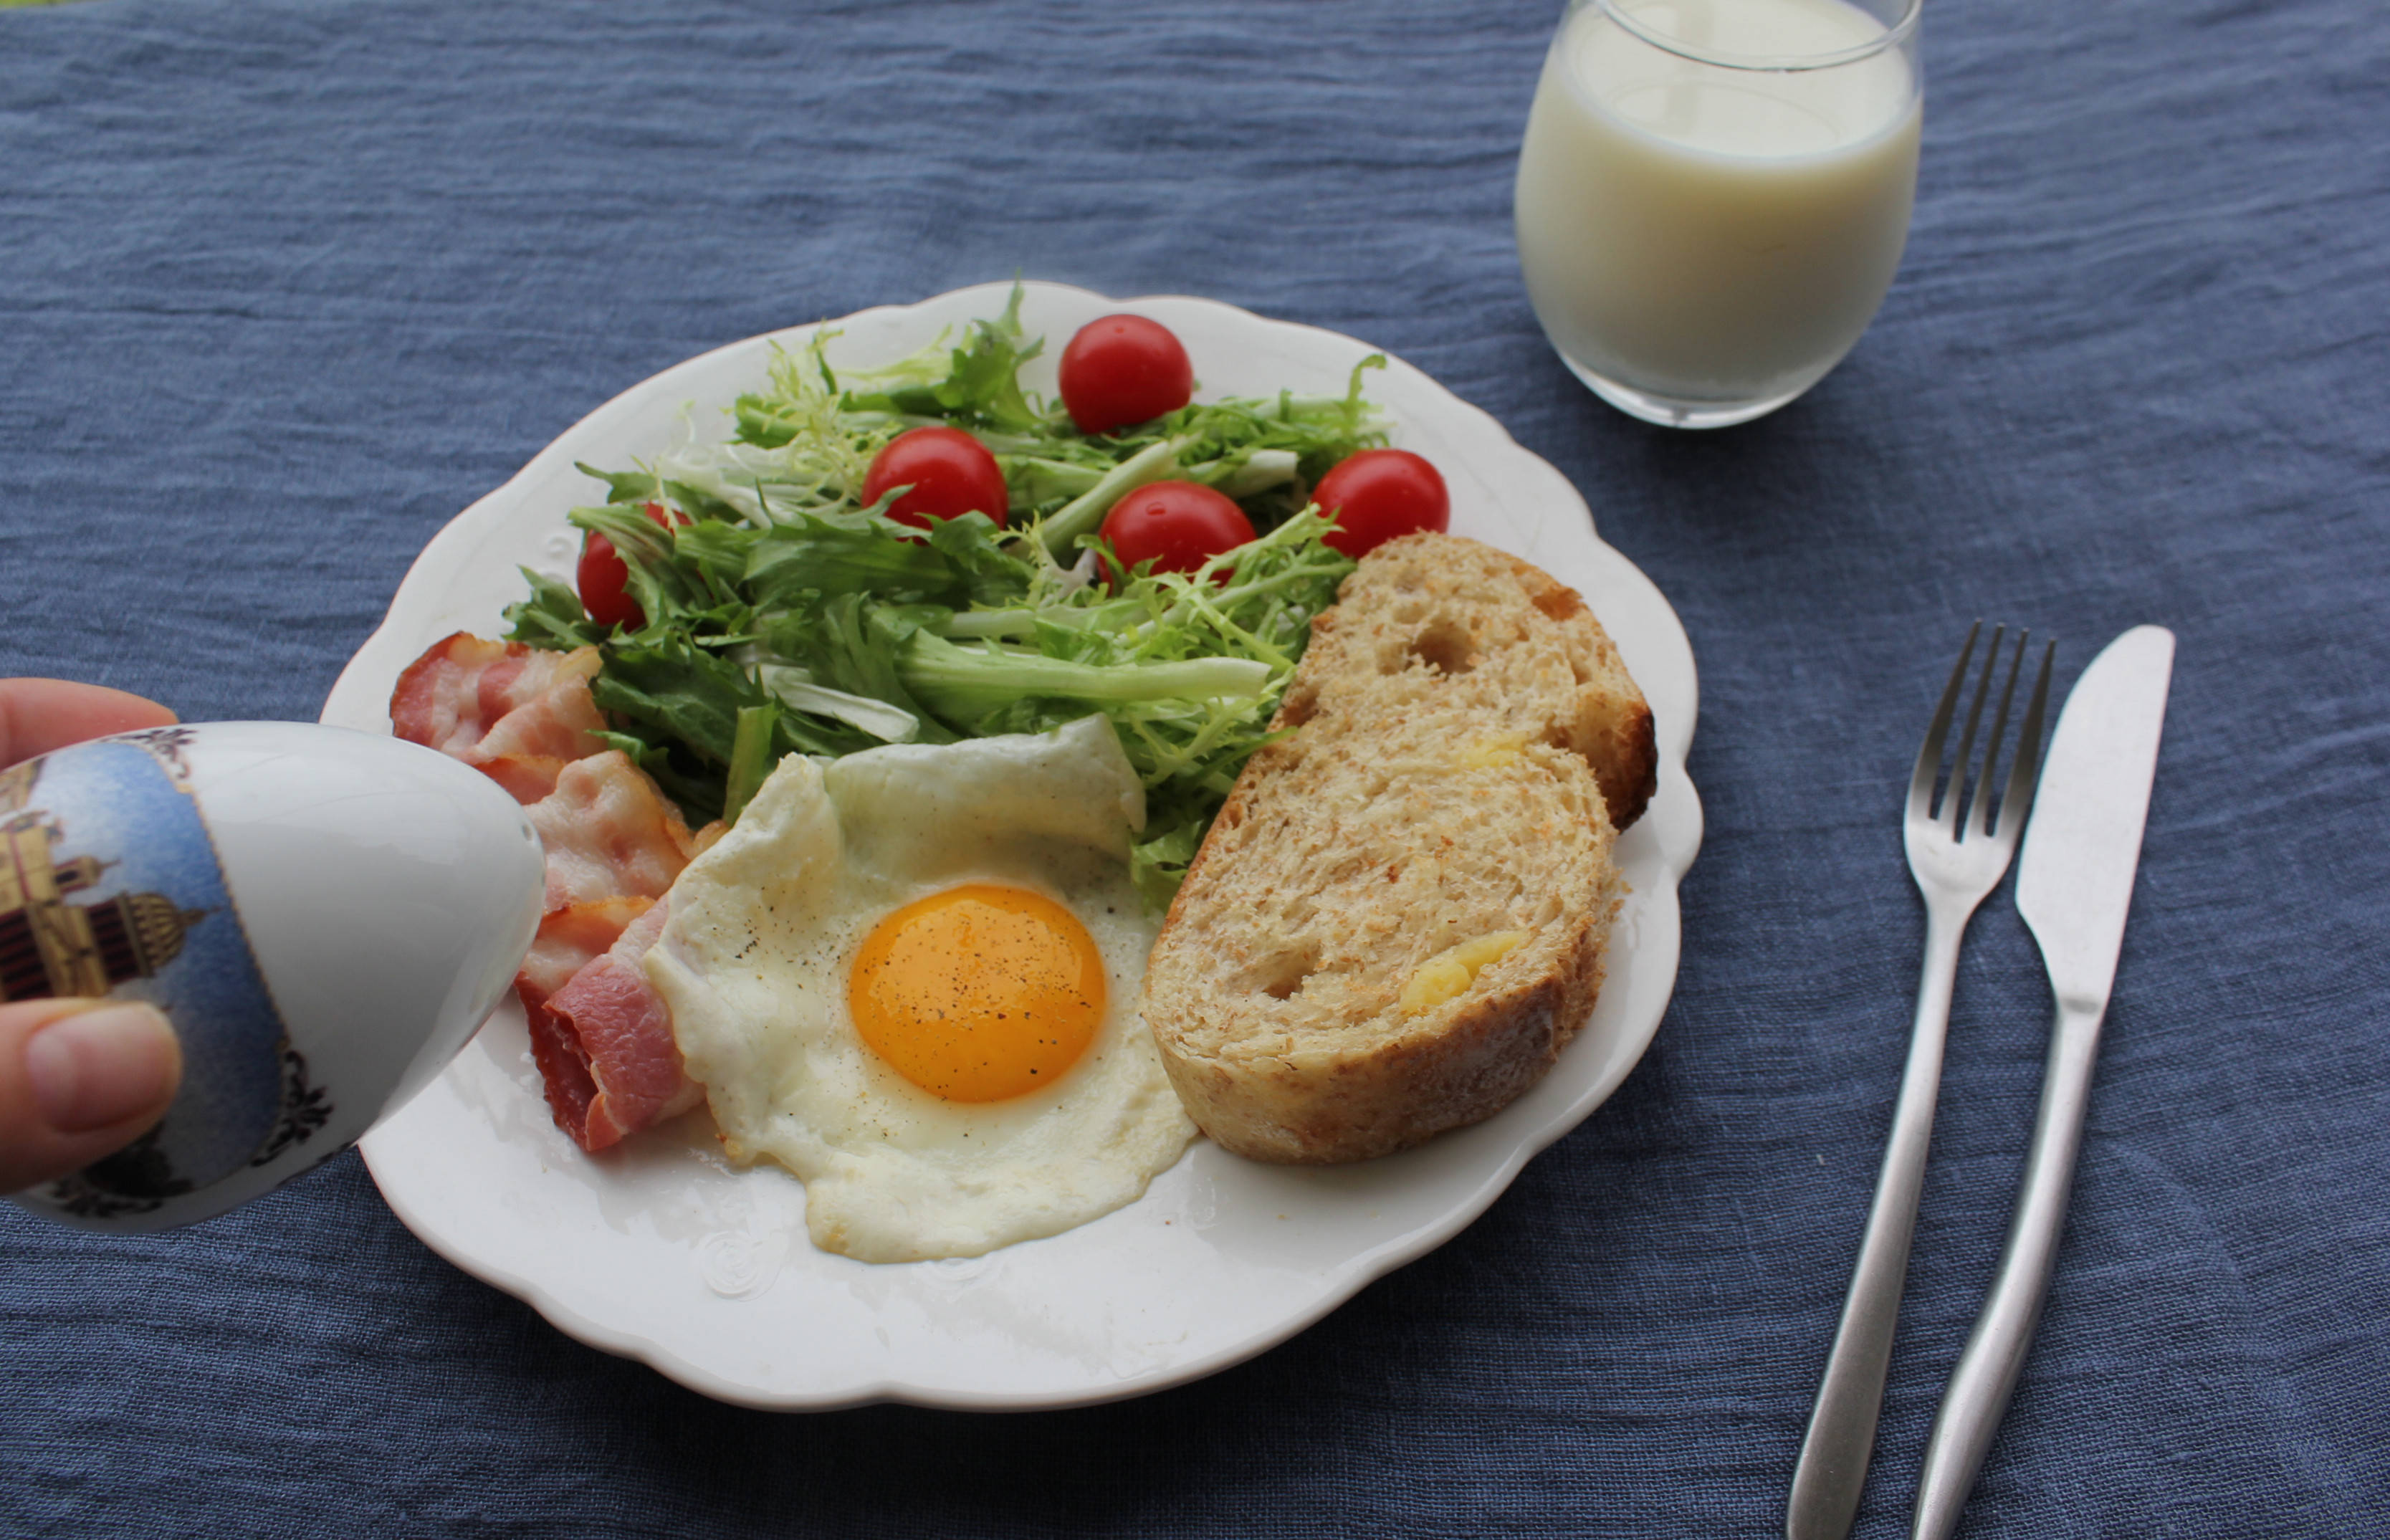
978 993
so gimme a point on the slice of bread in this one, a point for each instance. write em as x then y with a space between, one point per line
1438 615
1399 917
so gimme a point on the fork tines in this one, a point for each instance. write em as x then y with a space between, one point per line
1964 806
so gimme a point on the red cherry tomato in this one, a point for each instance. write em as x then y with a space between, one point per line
1178 525
605 579
1122 370
950 472
1380 493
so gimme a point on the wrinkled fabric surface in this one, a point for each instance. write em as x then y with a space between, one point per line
284 284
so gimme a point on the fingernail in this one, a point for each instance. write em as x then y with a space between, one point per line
102 1066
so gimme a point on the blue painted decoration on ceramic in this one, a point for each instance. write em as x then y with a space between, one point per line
109 884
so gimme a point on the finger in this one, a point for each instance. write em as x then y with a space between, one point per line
38 715
79 1079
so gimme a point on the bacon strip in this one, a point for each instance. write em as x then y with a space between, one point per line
561 722
600 1036
617 1069
464 687
528 779
570 938
608 832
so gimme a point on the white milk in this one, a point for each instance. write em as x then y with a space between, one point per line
1708 235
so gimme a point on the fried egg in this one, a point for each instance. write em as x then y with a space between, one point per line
910 976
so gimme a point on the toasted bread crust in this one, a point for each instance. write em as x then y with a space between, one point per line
1441 788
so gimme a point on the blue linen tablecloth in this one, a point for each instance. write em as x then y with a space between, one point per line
284 284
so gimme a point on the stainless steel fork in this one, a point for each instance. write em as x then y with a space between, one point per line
1959 847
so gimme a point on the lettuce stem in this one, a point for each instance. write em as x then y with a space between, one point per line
966 683
1083 515
751 757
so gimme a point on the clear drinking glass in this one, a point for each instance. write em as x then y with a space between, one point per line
1712 195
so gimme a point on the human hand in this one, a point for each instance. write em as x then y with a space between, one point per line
79 1079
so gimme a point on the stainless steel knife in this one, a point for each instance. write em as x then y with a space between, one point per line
2075 883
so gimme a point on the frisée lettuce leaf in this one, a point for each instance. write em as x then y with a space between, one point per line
785 617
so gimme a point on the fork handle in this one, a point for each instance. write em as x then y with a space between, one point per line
1832 1467
1987 1376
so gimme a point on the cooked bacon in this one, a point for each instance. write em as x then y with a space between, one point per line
570 938
561 722
527 779
601 1037
604 1045
608 832
438 700
463 687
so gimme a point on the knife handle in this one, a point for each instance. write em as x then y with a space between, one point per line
1987 1376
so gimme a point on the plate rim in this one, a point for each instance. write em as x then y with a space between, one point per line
1677 806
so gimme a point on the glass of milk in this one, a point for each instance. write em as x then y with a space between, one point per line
1712 195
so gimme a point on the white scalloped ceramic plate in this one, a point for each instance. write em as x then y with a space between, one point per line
663 1252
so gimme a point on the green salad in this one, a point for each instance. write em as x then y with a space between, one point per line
765 608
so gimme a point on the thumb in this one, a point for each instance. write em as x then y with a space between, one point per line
79 1079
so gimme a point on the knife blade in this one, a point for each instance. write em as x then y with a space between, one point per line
2075 886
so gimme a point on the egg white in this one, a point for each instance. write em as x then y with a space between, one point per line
753 965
